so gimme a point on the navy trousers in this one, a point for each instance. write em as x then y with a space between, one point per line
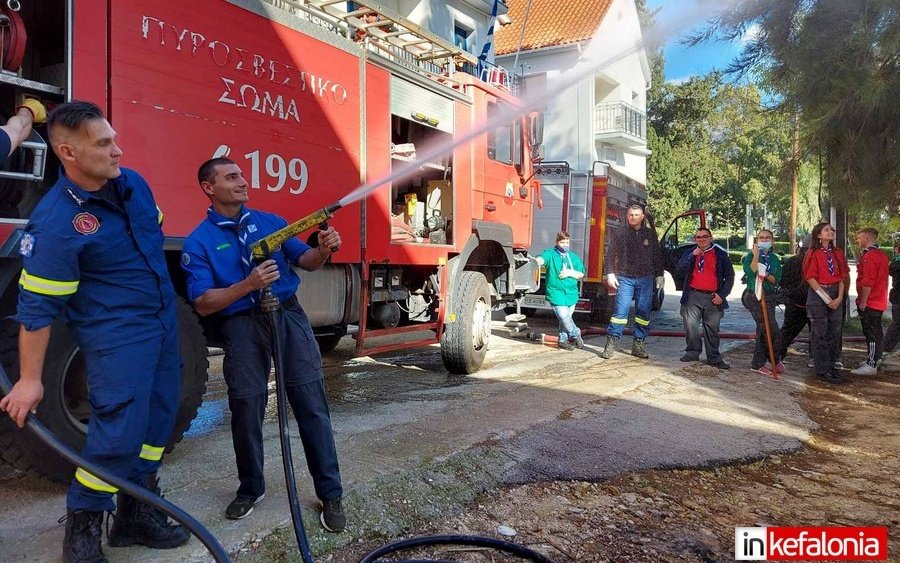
133 391
246 367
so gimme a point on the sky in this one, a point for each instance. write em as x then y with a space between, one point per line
682 61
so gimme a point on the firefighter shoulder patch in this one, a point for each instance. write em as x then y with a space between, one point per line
26 245
86 223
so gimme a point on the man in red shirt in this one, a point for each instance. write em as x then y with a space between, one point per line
708 278
871 301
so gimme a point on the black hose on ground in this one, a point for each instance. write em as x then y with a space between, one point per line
33 425
270 306
476 541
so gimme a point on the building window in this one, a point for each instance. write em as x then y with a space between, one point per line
462 36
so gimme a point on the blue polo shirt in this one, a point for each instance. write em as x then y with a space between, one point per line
216 255
99 265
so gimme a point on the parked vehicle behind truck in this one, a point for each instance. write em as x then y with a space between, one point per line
591 206
310 112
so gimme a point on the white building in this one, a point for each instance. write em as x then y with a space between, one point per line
603 116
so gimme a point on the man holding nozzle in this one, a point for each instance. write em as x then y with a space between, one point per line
222 278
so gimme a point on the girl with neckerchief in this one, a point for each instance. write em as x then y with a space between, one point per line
824 270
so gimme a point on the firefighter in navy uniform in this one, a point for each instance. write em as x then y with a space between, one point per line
93 254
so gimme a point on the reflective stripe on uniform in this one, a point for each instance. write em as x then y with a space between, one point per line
642 322
616 321
93 483
159 215
151 453
45 286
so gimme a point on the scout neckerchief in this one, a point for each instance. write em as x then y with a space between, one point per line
701 261
565 258
240 228
829 258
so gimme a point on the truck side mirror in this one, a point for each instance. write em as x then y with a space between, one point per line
536 129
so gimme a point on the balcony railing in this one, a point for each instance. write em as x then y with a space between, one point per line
620 118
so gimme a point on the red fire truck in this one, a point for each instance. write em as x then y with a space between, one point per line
311 101
591 207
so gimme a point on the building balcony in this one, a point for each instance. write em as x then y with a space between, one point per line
618 123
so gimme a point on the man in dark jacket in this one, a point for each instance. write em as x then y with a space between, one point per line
708 279
634 266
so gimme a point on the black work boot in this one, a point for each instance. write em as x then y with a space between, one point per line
82 543
637 349
138 523
611 343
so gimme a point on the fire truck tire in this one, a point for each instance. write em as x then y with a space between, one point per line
327 342
464 342
194 370
659 295
64 407
602 309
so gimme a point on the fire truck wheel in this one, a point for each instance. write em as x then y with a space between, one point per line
65 410
464 342
602 309
659 295
194 371
327 342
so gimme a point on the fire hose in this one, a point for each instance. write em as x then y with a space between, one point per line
13 37
33 425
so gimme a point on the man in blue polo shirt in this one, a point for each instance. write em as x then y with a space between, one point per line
93 253
221 278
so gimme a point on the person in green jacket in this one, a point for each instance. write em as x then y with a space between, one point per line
564 269
762 253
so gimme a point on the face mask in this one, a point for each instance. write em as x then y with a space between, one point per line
561 249
766 246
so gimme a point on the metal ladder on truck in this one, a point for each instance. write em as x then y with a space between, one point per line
386 34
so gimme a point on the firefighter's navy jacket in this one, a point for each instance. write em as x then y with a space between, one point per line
216 256
99 264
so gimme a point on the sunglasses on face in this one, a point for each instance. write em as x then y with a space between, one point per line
701 236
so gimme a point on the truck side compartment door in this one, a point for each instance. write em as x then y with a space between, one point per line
679 239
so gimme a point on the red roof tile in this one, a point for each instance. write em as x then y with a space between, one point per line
550 23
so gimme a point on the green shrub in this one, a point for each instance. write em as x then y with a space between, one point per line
781 247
